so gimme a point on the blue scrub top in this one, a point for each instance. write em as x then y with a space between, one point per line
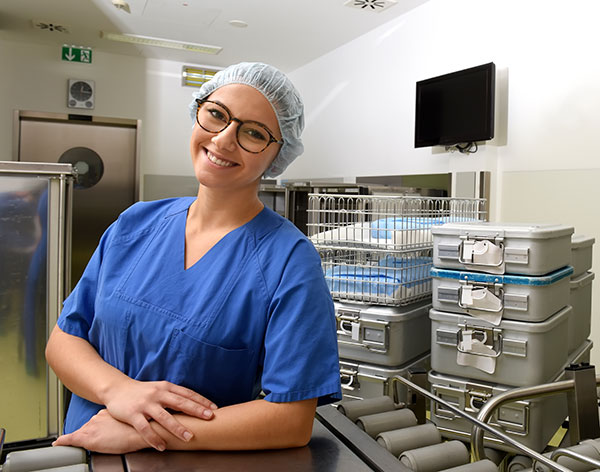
253 313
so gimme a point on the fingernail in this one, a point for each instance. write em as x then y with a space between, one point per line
213 406
187 435
207 413
160 447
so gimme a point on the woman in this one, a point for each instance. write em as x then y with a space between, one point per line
190 307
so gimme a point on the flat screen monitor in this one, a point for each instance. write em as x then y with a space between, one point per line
456 108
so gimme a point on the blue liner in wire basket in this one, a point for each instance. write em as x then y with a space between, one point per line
394 281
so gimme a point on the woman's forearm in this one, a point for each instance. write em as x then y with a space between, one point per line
86 374
258 424
80 367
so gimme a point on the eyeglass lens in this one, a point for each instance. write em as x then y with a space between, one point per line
251 136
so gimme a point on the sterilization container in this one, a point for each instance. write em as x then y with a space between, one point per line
581 301
361 380
494 297
514 353
581 253
532 422
499 248
389 336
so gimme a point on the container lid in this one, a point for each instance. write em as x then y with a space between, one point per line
435 377
579 241
510 230
522 326
387 372
548 279
386 313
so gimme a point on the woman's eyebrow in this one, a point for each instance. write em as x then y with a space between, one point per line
252 121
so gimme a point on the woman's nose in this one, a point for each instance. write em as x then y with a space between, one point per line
226 139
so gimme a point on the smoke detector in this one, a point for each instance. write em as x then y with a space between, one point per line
371 5
49 26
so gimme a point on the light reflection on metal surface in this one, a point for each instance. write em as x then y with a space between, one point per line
23 253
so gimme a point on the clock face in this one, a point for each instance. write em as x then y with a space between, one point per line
81 91
81 94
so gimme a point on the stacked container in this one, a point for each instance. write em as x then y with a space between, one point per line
500 318
376 253
580 290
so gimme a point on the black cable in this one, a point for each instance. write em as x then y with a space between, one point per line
467 148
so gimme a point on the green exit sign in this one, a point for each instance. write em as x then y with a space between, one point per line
76 54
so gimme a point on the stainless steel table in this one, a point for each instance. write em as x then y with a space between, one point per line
324 453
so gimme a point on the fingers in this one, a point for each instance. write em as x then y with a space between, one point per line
64 440
142 426
189 407
191 395
147 401
167 421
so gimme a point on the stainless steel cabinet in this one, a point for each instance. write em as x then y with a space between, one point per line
35 216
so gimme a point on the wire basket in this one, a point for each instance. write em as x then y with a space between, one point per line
378 249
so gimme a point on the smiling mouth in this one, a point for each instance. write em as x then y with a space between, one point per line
220 162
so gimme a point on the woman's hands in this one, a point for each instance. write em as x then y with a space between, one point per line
273 426
130 401
135 403
103 433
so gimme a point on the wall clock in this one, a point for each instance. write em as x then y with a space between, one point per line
81 94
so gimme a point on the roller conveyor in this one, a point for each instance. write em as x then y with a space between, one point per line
579 387
378 434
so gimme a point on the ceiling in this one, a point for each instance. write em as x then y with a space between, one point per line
285 33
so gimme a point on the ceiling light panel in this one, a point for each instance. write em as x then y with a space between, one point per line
161 42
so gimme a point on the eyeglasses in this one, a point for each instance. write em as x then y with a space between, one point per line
252 136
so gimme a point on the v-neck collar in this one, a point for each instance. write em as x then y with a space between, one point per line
181 210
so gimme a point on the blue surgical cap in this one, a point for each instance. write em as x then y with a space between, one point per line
281 94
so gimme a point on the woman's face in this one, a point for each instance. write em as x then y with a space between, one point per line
218 159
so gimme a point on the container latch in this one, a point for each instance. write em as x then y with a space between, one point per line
482 253
486 300
479 347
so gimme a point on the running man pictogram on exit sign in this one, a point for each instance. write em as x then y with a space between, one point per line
76 54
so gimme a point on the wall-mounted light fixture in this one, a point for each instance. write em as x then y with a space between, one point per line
195 76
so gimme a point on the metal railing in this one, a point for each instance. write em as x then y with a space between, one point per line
479 424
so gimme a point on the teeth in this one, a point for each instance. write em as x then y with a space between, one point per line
218 161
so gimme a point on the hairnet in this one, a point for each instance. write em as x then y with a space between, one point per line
281 94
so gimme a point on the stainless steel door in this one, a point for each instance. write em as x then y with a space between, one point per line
105 154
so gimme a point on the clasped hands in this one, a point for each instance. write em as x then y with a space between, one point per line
124 426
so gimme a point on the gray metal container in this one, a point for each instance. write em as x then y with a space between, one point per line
580 320
388 336
513 353
494 297
361 380
532 422
581 253
502 248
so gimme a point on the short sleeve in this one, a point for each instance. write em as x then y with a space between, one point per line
301 357
78 309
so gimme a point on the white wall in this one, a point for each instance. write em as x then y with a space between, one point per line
544 160
35 78
360 97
